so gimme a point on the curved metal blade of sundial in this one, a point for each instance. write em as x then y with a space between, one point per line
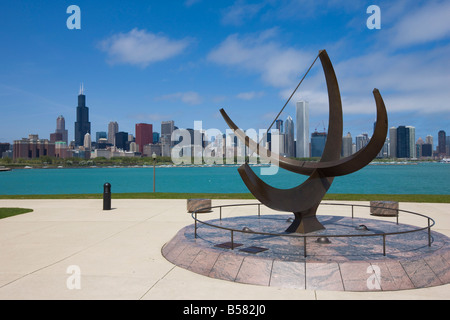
332 149
297 199
365 155
336 168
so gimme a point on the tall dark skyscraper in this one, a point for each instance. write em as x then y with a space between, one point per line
441 142
403 145
82 125
279 125
121 140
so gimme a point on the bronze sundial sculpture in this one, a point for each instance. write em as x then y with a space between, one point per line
304 199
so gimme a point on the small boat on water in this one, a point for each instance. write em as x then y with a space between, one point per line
4 169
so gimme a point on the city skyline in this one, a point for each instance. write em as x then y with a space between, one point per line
301 112
155 62
401 141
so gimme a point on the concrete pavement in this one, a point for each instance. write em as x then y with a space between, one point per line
72 249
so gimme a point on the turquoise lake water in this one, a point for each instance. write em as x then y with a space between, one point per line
423 178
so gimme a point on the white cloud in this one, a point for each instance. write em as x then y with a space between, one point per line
250 95
259 53
426 24
240 11
411 81
189 97
141 48
414 81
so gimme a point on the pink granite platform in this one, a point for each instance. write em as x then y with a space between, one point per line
345 264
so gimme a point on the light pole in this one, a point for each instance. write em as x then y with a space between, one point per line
154 161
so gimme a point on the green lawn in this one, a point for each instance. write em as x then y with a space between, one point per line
9 212
166 195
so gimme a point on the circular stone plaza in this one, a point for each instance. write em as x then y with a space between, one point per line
155 249
350 254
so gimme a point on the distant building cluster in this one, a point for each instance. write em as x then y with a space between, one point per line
295 140
400 142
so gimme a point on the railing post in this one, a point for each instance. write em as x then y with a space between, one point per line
384 244
397 216
304 247
352 211
259 210
429 233
195 226
220 213
232 244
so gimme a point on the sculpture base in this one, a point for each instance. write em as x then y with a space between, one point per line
305 222
345 264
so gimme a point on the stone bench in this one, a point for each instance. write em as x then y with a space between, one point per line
384 208
195 204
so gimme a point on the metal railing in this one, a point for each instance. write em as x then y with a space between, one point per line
430 221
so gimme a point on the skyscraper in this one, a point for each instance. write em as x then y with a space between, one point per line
279 125
113 128
302 115
402 142
87 142
144 135
281 140
318 140
61 128
441 143
155 137
167 127
361 141
403 145
419 145
289 141
347 144
412 141
427 150
121 140
393 142
82 125
429 139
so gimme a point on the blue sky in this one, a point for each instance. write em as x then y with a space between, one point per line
150 61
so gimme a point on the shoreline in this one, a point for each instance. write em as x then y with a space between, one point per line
418 198
165 165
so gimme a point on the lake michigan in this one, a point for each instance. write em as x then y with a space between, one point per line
421 178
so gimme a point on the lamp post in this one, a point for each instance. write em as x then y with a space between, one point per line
154 161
